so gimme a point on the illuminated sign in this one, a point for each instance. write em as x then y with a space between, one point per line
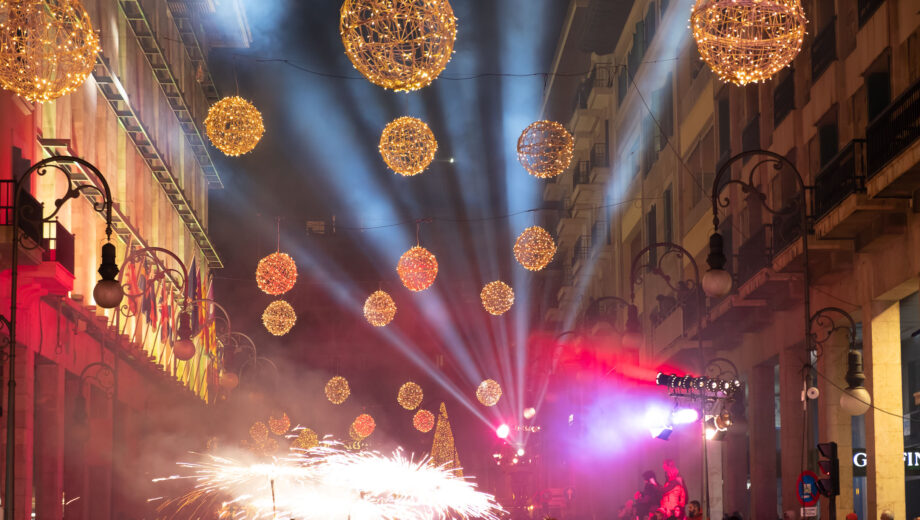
861 460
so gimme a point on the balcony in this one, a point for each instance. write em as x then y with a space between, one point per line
52 242
58 245
581 174
866 8
581 251
893 147
602 81
784 98
600 156
823 50
752 256
843 176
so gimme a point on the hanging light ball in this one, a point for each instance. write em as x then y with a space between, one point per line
279 424
279 317
337 390
497 297
545 149
276 274
417 269
307 439
398 44
364 425
234 125
535 248
47 49
423 421
407 145
746 41
410 395
258 431
379 309
228 380
489 392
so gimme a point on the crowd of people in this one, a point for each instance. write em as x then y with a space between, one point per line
666 501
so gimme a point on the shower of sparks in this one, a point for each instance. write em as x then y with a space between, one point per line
328 482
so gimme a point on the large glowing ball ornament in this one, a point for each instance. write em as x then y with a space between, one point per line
259 432
184 349
410 395
407 145
337 390
279 424
398 44
503 431
423 421
717 283
279 317
855 401
746 41
228 380
364 425
530 412
545 149
234 125
534 248
489 392
417 269
307 439
497 297
47 49
379 309
276 274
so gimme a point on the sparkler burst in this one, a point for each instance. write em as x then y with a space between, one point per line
328 482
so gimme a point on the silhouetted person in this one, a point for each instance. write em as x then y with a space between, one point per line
649 498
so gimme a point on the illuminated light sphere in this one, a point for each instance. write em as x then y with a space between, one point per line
746 41
337 390
534 248
234 125
417 269
258 431
276 274
47 49
379 309
530 412
401 45
407 145
307 439
423 421
489 392
279 424
364 425
279 317
503 431
545 149
410 395
497 297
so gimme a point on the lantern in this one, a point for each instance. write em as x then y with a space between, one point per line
747 41
534 248
398 44
417 269
379 309
47 49
276 274
279 317
234 125
545 149
497 297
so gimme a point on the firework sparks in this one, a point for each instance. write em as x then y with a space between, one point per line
328 482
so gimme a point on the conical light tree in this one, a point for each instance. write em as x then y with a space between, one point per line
443 450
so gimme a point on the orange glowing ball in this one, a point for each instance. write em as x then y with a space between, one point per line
417 269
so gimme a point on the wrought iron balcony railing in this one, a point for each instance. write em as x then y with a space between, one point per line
844 175
56 242
581 174
600 155
894 129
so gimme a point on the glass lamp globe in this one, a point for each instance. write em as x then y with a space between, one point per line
855 401
632 340
108 294
184 349
717 283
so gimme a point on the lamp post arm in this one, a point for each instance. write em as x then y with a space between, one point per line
635 275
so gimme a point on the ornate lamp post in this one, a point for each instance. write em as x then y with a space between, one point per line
855 399
682 288
107 293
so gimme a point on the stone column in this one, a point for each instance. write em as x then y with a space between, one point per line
762 428
24 448
793 446
834 424
884 432
49 441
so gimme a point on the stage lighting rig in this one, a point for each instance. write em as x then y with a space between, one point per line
699 387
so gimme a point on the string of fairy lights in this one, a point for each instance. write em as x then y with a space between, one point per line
47 50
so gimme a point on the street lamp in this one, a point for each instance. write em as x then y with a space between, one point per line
855 399
107 295
682 289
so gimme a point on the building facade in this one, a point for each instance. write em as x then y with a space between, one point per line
653 126
100 398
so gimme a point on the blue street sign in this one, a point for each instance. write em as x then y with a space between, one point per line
807 489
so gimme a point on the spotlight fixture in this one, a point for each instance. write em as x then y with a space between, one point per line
713 431
685 416
502 431
520 452
661 432
689 386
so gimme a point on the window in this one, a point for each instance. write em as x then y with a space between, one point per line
667 215
827 142
878 93
651 233
650 25
725 118
665 103
622 86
